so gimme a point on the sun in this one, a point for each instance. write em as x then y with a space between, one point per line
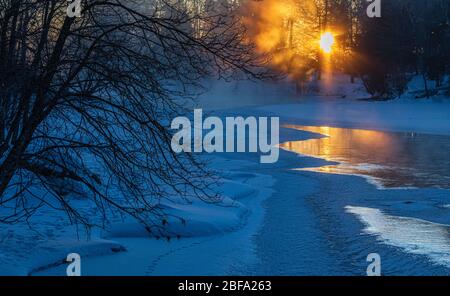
327 42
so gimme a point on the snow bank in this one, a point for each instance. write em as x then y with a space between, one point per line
28 261
219 238
43 249
197 218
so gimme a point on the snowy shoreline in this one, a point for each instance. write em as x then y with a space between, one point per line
226 242
229 245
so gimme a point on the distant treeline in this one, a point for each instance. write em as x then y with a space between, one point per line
411 37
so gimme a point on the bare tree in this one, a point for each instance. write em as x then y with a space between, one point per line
86 102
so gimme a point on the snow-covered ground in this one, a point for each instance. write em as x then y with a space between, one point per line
43 249
274 220
216 238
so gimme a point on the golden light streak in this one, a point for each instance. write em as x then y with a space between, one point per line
286 31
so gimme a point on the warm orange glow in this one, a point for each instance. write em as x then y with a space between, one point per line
285 30
347 145
327 42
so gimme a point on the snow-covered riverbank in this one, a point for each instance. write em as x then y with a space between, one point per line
309 224
219 239
274 220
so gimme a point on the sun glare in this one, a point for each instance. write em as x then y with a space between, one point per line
327 42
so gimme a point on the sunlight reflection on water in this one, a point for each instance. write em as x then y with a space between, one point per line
388 159
413 235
